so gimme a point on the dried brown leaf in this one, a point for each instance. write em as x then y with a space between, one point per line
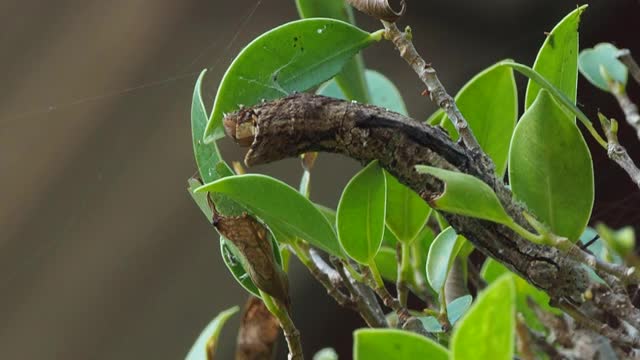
251 239
258 333
380 9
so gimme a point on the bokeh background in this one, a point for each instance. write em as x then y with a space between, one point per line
103 255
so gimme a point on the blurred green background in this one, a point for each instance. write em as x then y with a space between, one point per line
103 255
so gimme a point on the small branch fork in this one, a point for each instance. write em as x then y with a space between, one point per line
616 151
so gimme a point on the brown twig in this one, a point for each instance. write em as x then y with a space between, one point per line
405 319
363 297
523 337
328 277
624 55
603 329
616 151
629 109
428 75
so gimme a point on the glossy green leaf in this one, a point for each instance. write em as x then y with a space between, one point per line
383 92
421 247
455 310
487 330
568 104
442 253
293 57
233 261
489 102
557 60
351 79
207 155
361 213
230 255
392 344
592 63
280 206
328 213
389 238
466 195
387 263
204 348
407 212
550 168
493 270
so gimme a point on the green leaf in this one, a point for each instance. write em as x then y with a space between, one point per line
488 328
361 213
352 77
489 102
293 57
207 155
204 348
493 270
455 310
334 9
567 103
230 255
392 344
557 60
466 195
383 92
407 212
592 63
233 261
328 213
421 247
550 168
442 253
280 206
387 263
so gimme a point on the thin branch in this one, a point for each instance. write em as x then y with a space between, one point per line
629 109
628 275
291 333
403 254
615 301
405 319
329 278
435 89
616 151
363 297
624 55
524 339
603 329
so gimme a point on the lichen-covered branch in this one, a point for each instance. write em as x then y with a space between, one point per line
303 122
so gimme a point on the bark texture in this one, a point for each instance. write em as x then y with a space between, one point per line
302 122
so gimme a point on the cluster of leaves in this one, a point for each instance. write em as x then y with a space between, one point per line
548 162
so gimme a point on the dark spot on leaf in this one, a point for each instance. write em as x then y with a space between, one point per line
295 38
